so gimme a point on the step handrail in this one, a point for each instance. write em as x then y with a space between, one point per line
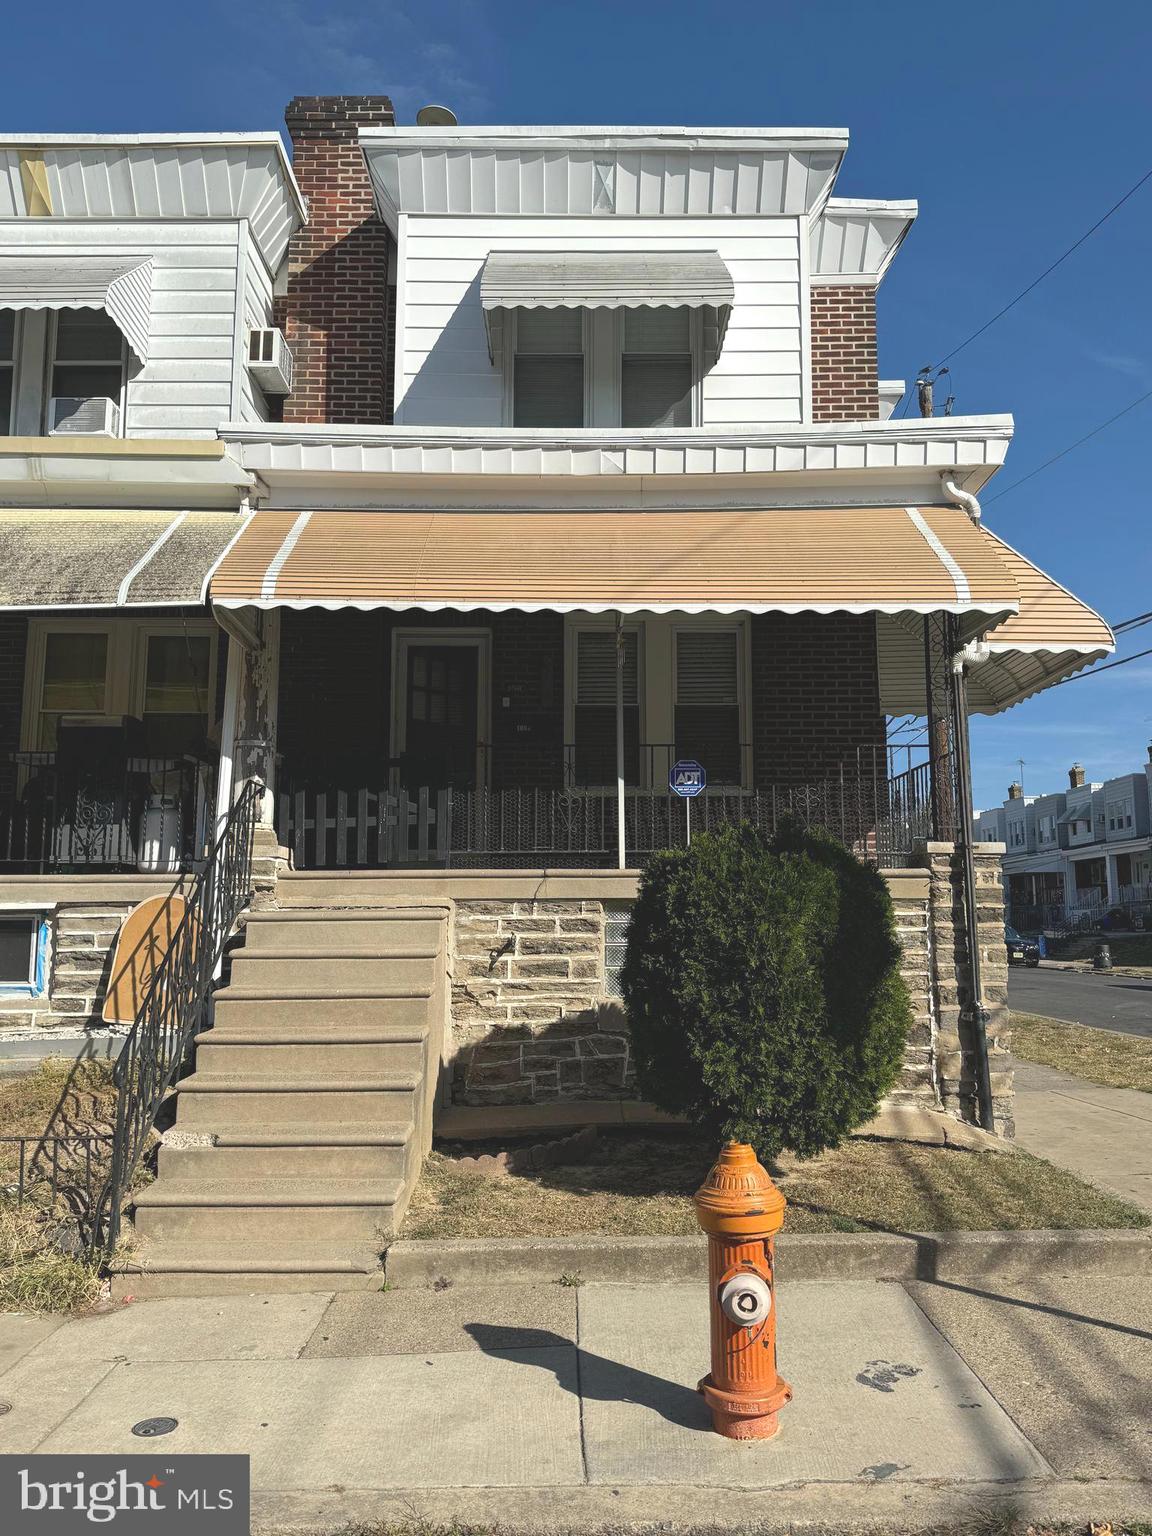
173 1007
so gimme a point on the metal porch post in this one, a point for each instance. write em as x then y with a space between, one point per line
621 850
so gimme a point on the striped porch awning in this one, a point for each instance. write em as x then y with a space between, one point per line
87 558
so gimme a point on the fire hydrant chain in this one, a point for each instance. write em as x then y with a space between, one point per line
741 1210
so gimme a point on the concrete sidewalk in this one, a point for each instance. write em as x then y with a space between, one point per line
1102 1134
545 1407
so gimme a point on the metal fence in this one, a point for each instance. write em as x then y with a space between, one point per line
51 1171
63 813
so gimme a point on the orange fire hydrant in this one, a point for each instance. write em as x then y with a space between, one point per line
741 1210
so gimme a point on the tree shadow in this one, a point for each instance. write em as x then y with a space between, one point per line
597 1378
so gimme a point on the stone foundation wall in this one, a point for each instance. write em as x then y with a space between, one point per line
531 1021
952 989
82 937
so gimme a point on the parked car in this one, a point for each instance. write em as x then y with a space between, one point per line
1021 951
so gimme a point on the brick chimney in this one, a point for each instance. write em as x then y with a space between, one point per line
337 311
1015 791
1076 776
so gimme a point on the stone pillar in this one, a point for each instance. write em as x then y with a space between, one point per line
951 981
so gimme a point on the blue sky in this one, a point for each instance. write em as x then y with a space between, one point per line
1015 125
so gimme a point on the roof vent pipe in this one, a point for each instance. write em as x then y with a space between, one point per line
964 499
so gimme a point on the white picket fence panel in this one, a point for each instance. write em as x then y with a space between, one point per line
340 828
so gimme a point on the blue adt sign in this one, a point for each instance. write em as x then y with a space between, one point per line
687 778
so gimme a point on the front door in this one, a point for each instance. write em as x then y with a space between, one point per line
440 715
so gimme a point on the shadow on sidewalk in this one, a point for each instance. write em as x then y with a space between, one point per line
598 1378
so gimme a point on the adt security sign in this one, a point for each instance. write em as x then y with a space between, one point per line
687 779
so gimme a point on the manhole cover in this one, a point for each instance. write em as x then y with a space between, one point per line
148 1428
5 1407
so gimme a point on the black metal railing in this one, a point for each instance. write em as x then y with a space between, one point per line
64 813
174 1006
51 1171
882 820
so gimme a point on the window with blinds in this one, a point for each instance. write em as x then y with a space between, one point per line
548 369
656 369
594 748
708 701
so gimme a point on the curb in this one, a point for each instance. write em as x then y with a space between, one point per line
945 1256
669 1509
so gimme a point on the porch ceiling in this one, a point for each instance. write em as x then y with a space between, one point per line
52 559
830 559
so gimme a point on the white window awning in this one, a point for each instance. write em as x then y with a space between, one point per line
603 280
120 286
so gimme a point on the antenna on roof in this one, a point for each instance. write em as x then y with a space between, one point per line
435 117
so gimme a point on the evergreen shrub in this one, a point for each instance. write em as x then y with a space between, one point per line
763 988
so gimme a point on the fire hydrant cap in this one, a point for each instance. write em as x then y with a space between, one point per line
738 1199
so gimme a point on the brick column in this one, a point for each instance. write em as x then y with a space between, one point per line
336 313
845 382
951 983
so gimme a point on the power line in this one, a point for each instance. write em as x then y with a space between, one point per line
1123 662
906 400
1036 281
1064 452
1141 618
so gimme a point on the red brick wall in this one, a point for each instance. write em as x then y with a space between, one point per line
815 694
336 310
844 368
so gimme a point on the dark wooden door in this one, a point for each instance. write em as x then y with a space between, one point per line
440 720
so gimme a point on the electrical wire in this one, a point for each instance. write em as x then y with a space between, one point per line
1141 618
1123 662
1064 452
1036 281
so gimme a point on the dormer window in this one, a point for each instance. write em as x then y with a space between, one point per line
656 368
89 356
548 368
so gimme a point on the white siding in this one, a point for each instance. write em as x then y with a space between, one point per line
255 314
444 377
186 387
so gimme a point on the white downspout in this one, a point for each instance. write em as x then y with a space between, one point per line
621 849
964 499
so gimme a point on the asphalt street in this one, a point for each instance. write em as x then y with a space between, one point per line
1105 1002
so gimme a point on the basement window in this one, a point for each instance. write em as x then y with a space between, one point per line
23 943
617 915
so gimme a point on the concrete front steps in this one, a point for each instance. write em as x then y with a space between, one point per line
301 1131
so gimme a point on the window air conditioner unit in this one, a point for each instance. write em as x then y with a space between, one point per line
270 361
83 416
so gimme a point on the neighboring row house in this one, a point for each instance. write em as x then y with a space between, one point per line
1075 855
451 485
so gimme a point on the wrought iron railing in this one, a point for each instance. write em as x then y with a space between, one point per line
61 812
50 1171
174 1005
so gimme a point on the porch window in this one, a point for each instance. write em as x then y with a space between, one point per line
548 368
7 369
176 693
88 356
75 679
656 369
708 701
594 756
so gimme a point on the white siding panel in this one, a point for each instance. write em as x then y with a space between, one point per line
256 314
445 376
186 386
